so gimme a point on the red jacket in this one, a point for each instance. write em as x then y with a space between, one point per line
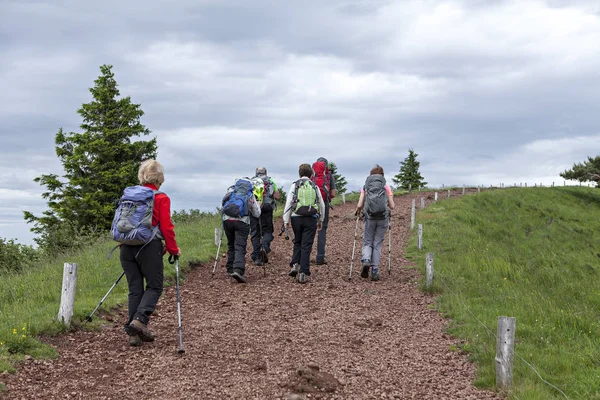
162 215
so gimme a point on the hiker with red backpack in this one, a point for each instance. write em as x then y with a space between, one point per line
375 202
261 229
141 248
303 209
239 204
324 180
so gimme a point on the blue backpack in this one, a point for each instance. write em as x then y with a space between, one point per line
132 223
236 202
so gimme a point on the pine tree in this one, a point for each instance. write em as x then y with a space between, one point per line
409 177
584 172
340 181
98 163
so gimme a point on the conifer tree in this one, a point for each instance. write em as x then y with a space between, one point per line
584 172
98 163
409 177
340 181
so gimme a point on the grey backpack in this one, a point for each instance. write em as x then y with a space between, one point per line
376 197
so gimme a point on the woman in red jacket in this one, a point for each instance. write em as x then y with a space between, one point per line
145 262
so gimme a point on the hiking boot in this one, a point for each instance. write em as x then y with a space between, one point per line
375 274
263 255
259 263
137 327
302 278
365 271
238 276
135 340
294 271
321 262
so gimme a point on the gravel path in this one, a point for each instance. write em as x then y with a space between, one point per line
272 338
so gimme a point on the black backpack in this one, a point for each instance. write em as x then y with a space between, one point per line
376 197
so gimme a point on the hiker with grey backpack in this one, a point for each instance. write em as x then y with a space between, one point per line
261 228
239 204
304 211
375 202
141 223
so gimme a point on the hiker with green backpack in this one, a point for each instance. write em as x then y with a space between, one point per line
304 210
238 205
375 202
261 228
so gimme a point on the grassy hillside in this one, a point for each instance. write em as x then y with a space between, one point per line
532 254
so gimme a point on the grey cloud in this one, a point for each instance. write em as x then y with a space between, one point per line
350 81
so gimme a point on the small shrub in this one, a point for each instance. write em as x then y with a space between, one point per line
20 342
16 257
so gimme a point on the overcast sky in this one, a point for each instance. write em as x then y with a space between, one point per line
485 91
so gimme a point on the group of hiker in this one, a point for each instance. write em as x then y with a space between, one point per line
143 222
247 209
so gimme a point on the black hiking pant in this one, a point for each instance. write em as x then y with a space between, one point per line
236 232
148 266
264 223
305 229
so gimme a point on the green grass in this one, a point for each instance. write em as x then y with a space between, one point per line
532 254
29 301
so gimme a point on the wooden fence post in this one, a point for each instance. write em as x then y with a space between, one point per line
525 184
429 269
410 187
463 192
478 189
217 236
448 193
420 237
435 196
422 203
67 298
412 215
344 198
505 352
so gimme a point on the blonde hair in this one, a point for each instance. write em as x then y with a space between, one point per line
151 171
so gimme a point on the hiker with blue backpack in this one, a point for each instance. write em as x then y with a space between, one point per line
375 202
261 228
239 204
304 210
325 181
142 221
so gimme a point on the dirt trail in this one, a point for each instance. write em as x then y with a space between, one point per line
272 338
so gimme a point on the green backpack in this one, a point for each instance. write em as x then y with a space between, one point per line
305 201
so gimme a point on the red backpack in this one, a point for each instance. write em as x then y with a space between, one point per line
321 178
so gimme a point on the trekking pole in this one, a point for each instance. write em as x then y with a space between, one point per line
389 246
353 248
263 252
181 351
218 250
89 317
